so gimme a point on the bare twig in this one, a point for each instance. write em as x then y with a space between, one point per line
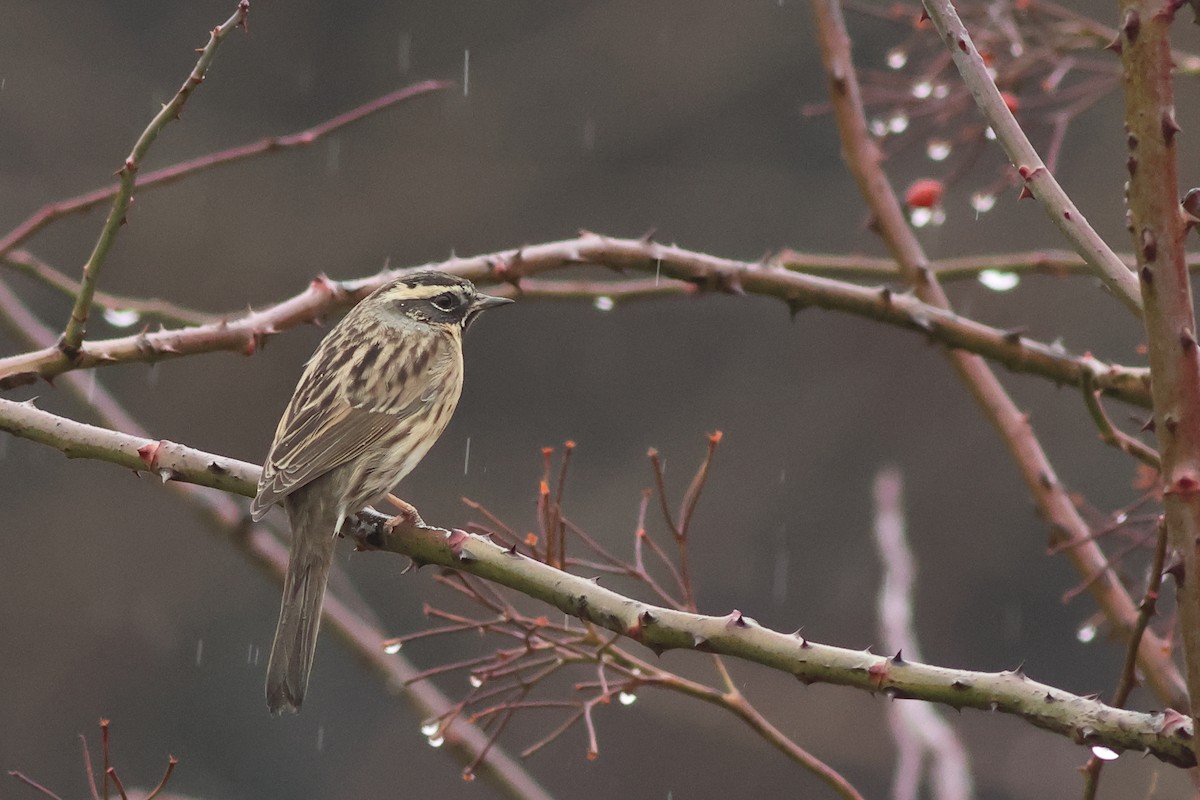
175 172
1038 179
73 333
1111 435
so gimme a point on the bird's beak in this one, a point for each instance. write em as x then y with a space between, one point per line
483 302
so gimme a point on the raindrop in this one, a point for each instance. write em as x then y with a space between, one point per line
320 738
121 318
476 681
391 648
937 149
437 741
627 698
429 729
922 90
404 53
467 456
989 134
657 271
199 651
878 128
1105 753
983 202
603 303
897 58
1086 633
941 91
938 217
898 123
999 280
920 217
779 579
90 383
333 158
589 134
466 72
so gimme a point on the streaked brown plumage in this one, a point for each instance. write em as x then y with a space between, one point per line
372 400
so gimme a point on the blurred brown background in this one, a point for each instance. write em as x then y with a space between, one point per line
617 117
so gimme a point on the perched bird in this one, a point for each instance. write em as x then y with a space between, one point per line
373 399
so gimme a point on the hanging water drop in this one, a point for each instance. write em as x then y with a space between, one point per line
437 741
121 317
430 729
897 57
898 123
603 303
1086 633
999 280
938 150
922 90
627 698
941 91
1105 753
475 681
920 217
989 134
983 202
878 128
392 647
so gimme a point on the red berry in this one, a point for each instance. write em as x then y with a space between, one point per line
923 193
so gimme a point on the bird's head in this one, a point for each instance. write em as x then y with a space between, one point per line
431 298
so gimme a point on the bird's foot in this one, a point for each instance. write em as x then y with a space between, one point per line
407 516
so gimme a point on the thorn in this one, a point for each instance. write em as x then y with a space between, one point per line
647 237
1132 25
1025 194
1115 45
1149 245
1169 126
1013 335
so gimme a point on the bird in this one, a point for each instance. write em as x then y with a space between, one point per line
377 393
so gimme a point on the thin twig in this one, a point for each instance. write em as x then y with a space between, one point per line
1113 436
73 333
175 172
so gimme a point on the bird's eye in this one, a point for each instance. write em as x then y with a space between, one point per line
446 301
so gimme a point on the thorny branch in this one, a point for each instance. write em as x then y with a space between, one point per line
1164 735
246 334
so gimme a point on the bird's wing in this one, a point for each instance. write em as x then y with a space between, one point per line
323 436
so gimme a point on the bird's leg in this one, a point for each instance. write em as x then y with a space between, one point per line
408 515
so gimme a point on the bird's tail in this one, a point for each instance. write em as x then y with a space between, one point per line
300 614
